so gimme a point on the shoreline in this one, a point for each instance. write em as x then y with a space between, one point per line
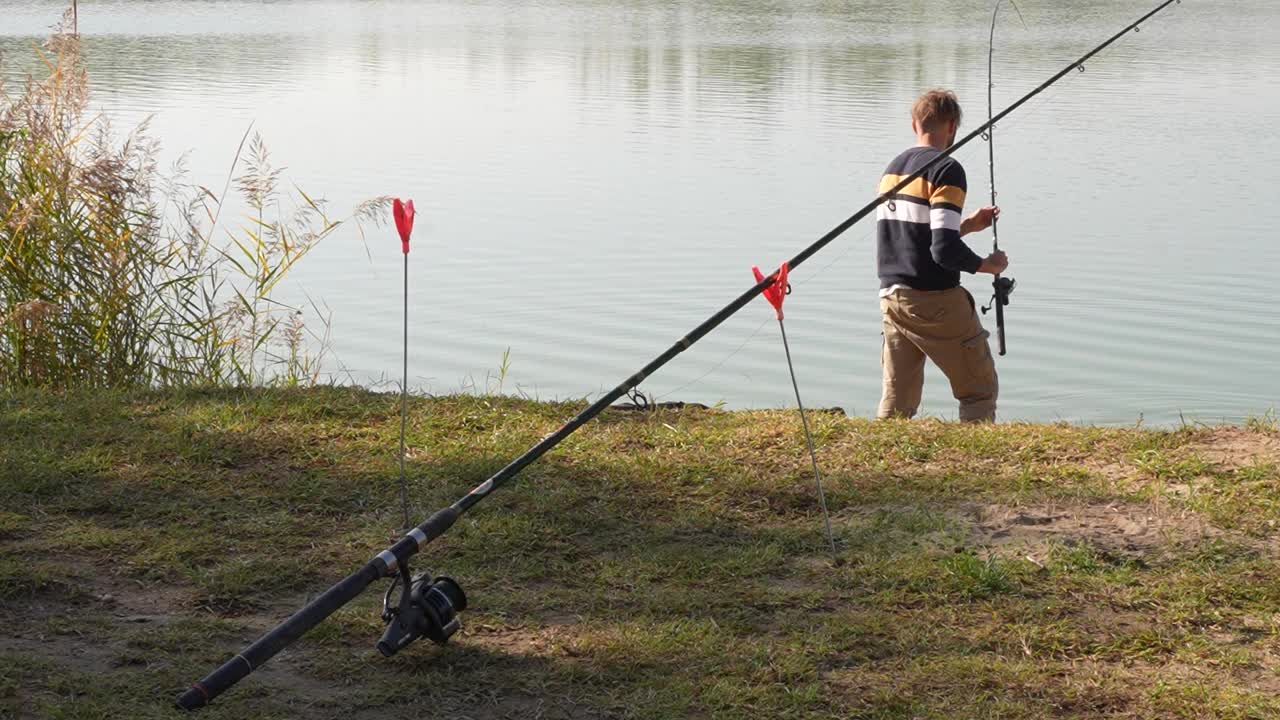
667 564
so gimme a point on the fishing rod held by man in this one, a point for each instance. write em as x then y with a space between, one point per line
1001 286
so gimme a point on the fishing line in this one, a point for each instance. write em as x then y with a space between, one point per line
718 365
732 354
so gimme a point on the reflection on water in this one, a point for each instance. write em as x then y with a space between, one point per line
595 177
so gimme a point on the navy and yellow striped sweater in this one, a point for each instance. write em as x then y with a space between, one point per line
918 232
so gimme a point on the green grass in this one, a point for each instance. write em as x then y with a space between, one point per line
654 566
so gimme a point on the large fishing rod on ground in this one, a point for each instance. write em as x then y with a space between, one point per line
429 606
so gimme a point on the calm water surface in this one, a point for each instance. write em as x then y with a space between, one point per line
594 178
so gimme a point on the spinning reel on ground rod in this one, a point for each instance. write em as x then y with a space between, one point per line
428 606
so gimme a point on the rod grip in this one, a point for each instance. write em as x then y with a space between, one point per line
438 523
1000 326
234 670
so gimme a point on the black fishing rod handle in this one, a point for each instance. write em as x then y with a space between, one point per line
234 670
1000 326
315 612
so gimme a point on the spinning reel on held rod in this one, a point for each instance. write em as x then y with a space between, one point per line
1002 289
428 606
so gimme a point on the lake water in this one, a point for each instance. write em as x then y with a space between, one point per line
595 177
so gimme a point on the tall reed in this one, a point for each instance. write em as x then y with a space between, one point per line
114 274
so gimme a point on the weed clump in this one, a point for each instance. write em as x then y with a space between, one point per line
114 274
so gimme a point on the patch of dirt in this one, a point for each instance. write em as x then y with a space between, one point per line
1113 471
486 707
126 599
1103 621
1232 447
520 640
1138 531
85 654
1263 679
126 603
136 601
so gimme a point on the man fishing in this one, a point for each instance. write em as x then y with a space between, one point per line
920 255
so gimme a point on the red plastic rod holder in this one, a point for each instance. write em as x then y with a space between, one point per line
403 214
777 292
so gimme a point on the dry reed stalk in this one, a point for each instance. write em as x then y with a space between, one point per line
113 274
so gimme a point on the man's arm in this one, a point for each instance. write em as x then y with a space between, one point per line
996 262
945 204
980 220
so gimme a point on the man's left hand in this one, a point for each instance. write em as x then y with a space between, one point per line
980 220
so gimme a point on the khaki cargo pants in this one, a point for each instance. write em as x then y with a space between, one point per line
943 326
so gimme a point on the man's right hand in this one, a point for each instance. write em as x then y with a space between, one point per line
996 263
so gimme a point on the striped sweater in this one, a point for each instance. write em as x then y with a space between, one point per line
918 231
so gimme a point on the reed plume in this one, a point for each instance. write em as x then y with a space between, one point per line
115 274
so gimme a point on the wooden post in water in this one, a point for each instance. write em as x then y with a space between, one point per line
75 17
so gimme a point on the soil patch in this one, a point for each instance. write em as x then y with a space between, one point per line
1232 448
1133 530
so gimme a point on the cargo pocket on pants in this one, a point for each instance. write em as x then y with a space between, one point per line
977 358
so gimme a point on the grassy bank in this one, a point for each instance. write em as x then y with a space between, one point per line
657 565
